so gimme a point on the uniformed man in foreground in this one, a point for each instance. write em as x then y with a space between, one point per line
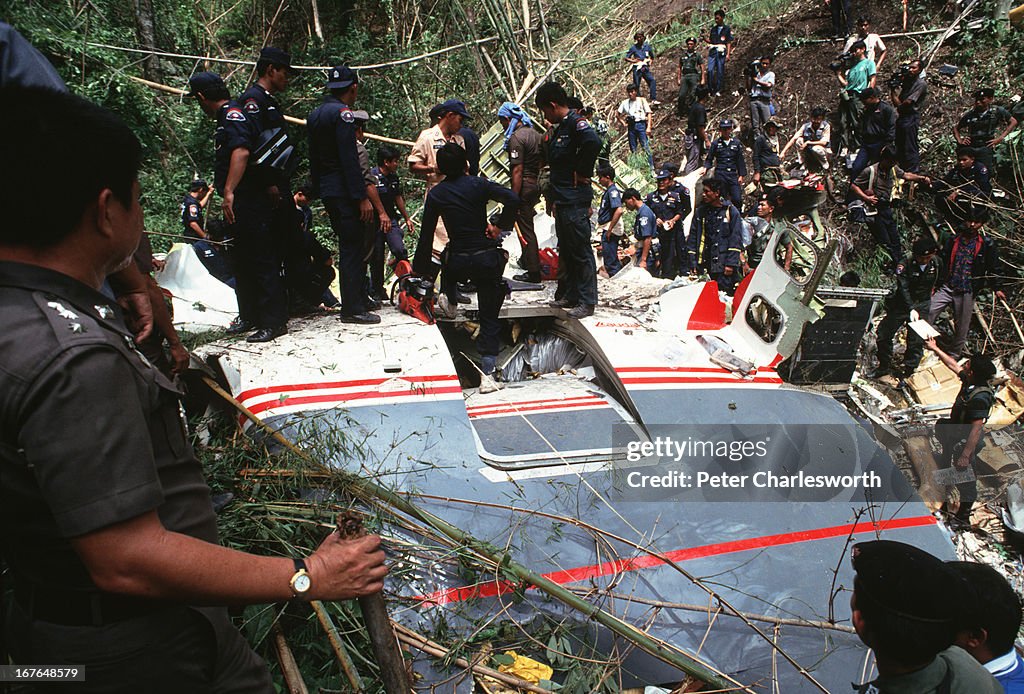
716 237
978 127
525 147
106 522
572 148
338 179
917 278
965 185
726 156
474 250
249 199
670 207
766 160
906 606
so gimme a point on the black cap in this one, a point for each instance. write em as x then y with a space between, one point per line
275 56
662 174
984 92
907 581
202 81
435 112
726 123
924 246
452 106
870 92
341 77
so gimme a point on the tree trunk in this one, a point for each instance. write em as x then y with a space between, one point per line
145 23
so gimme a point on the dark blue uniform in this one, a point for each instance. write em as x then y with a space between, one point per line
971 186
643 70
727 158
666 206
338 180
258 286
472 141
191 211
913 291
645 225
461 203
610 201
572 150
719 38
714 243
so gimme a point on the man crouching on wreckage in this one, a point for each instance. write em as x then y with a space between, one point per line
106 521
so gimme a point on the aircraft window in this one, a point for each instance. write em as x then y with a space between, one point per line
764 318
799 263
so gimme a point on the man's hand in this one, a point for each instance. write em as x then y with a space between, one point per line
179 358
931 345
138 313
365 210
493 232
728 270
914 315
158 264
740 179
871 198
408 225
227 206
963 461
385 223
757 177
344 569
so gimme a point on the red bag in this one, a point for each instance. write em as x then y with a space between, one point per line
548 264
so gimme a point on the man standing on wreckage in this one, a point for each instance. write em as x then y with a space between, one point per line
106 522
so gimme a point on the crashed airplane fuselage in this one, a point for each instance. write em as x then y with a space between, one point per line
659 420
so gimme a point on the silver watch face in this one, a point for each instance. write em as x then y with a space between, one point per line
301 583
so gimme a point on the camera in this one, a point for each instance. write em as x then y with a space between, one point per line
843 61
752 68
895 80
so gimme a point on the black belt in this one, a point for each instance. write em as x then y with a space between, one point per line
80 608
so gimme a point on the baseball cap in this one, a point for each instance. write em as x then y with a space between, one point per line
202 81
984 92
276 56
341 77
453 106
662 174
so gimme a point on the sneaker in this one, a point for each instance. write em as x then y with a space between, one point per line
267 334
489 385
239 326
581 311
561 303
444 308
364 318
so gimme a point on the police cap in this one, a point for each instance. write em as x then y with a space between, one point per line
907 581
662 174
341 77
985 92
275 56
923 246
726 123
201 82
453 106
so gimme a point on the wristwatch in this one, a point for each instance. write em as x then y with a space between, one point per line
301 582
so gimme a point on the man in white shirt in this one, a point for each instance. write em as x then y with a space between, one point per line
875 47
635 114
761 86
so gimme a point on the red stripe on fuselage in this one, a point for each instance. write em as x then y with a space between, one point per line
582 573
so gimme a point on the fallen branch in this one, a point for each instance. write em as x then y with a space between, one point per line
290 119
289 668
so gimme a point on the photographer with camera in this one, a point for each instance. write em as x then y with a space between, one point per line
859 74
908 93
635 113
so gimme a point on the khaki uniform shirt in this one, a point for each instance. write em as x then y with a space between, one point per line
425 152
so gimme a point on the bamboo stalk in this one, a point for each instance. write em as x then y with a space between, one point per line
290 119
678 659
422 643
1020 333
289 668
339 648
